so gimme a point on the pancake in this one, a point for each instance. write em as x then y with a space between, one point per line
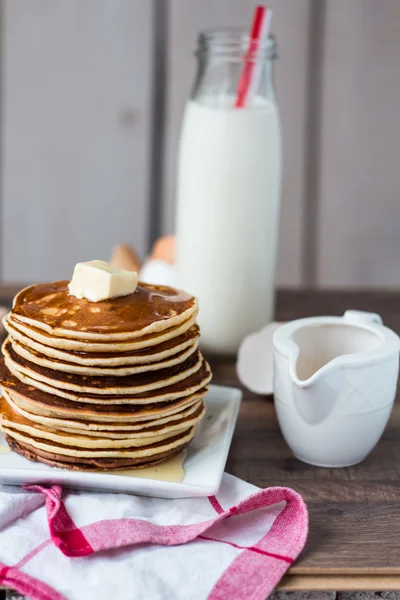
87 464
120 371
102 385
147 421
93 414
149 451
135 436
150 309
104 402
187 418
150 354
58 399
84 345
131 384
100 440
13 421
87 442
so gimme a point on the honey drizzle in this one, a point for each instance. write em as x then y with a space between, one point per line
170 470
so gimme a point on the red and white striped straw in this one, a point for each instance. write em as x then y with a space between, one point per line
251 73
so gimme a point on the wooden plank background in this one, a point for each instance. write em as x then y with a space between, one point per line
76 132
92 94
359 187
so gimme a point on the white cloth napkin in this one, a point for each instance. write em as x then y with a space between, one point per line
235 545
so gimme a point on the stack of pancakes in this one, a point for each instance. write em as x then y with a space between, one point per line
102 385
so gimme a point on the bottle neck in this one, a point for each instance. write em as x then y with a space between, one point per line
222 58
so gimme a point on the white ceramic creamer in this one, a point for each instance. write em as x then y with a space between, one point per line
335 381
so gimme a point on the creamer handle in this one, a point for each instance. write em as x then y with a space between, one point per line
360 317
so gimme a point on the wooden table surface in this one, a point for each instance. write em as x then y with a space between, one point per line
354 539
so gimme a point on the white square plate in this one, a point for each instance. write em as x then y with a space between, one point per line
204 463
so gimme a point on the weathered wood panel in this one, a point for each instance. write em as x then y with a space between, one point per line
76 133
359 211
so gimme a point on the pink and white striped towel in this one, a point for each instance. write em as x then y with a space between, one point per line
235 545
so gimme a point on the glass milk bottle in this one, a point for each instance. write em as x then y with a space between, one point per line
228 190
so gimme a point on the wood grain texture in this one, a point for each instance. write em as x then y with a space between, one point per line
291 26
350 509
342 583
354 512
360 144
76 114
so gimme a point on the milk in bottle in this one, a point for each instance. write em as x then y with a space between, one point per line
228 188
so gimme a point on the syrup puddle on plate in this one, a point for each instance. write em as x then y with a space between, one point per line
170 470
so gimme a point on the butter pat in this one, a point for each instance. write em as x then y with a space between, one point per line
96 280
